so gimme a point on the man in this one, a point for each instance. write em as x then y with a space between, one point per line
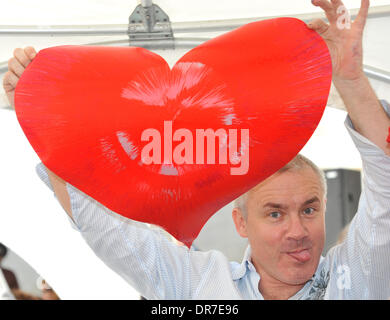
283 217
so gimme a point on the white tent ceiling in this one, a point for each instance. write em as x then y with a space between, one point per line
40 218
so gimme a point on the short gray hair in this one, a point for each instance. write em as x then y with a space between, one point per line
298 163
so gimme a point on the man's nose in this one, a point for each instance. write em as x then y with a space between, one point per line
296 229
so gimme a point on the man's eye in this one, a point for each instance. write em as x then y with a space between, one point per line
308 211
275 214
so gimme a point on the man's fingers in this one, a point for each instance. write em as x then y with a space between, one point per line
30 51
9 81
324 4
329 8
337 3
15 66
318 25
22 57
363 13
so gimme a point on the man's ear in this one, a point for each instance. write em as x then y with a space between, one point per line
239 222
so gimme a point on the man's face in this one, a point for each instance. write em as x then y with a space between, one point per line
285 225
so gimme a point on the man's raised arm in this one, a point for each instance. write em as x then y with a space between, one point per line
345 43
360 265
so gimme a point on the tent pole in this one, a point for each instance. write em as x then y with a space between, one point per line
177 27
378 74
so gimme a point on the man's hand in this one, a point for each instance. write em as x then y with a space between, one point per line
16 66
344 39
345 43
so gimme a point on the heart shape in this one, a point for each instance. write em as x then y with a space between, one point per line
93 114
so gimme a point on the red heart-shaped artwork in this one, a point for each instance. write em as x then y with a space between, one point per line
121 126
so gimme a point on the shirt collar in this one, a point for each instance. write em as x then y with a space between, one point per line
245 265
305 290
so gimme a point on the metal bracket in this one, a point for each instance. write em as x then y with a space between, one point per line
148 23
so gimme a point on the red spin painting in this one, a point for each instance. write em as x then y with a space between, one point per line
172 146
